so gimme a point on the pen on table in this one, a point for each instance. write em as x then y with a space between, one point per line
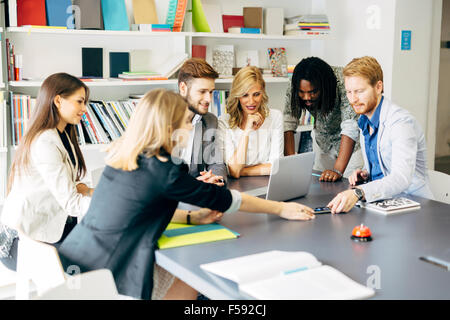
436 262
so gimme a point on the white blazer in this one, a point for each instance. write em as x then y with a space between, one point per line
44 195
401 150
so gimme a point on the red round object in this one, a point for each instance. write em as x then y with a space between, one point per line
361 231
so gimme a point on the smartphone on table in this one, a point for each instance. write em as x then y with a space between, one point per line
322 210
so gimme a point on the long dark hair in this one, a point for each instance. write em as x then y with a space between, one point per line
322 77
45 116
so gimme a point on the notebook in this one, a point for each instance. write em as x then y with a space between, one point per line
282 275
178 235
31 12
115 15
59 13
391 206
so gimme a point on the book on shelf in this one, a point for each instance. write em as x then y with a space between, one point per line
273 21
282 275
22 107
307 25
59 13
3 117
253 17
229 21
391 206
115 15
118 62
91 17
198 51
92 62
218 104
144 12
31 12
162 72
171 12
244 30
179 15
140 60
104 121
178 235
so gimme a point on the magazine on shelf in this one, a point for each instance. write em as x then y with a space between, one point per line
282 275
391 206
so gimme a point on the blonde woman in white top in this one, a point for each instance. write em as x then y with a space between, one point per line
45 193
251 134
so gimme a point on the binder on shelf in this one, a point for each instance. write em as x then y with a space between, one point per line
91 14
57 13
118 62
92 62
232 21
144 12
115 15
31 12
253 17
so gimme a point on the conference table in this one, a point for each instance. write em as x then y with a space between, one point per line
389 263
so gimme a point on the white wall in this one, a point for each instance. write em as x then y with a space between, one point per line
359 28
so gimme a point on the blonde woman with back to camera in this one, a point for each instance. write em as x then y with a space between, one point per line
138 194
251 134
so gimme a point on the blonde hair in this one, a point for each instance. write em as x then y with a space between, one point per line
159 113
364 67
242 83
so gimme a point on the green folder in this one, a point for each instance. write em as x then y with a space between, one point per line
178 235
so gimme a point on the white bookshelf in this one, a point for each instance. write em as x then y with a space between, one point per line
37 30
48 50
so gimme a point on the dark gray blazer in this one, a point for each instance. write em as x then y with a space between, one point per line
207 154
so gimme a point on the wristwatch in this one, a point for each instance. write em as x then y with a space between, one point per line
359 193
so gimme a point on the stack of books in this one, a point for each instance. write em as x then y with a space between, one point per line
141 76
311 24
160 27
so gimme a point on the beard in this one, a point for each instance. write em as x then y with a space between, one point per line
193 105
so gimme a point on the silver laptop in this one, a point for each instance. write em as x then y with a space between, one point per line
290 178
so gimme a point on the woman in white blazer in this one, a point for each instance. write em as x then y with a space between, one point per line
251 134
45 195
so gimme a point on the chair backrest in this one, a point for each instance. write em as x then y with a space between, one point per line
440 185
38 262
93 285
